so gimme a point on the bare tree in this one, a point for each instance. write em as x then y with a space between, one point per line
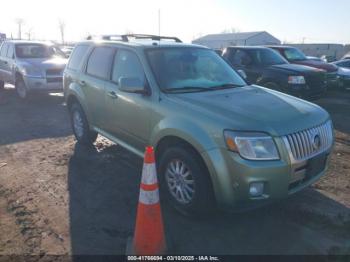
29 33
62 27
230 30
19 22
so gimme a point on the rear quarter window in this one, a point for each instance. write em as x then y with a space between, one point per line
77 57
100 62
3 51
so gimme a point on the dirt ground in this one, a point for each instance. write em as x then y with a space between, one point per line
58 198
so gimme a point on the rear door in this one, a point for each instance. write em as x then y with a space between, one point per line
93 82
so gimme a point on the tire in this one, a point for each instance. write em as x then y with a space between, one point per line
200 199
2 85
21 89
80 125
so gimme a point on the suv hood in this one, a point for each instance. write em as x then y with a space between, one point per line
45 63
317 64
254 108
292 68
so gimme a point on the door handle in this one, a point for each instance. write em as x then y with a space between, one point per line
82 82
5 62
112 94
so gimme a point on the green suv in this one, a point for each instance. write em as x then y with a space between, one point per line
218 141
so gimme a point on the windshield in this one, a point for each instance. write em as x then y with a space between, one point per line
266 57
191 69
37 51
294 54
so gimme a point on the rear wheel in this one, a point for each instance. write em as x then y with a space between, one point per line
80 125
185 181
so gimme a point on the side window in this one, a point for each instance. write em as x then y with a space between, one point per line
77 56
241 58
127 64
3 51
100 62
10 51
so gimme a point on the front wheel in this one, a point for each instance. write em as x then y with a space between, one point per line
80 125
21 89
185 181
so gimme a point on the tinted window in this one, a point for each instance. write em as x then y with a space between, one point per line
344 64
127 64
294 54
77 56
10 51
266 57
241 58
35 51
3 51
100 62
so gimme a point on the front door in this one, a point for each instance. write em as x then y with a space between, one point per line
9 65
3 61
128 114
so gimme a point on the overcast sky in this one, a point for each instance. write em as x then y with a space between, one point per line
289 20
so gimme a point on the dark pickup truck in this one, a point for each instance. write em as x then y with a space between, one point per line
296 56
265 67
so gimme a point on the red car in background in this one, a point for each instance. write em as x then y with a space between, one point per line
296 56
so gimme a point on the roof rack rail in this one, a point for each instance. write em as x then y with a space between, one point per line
152 37
107 37
125 38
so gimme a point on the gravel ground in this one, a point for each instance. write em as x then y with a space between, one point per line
58 198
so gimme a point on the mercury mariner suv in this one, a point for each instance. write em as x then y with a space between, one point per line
218 141
31 66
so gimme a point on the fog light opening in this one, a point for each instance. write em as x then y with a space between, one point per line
256 189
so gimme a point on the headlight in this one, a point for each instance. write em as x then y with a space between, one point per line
296 80
32 71
252 146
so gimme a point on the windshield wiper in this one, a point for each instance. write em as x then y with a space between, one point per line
187 88
224 86
201 88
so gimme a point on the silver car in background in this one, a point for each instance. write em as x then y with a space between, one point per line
31 66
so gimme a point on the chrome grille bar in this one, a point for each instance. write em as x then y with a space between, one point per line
307 143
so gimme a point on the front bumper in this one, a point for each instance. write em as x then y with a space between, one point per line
43 84
343 82
306 91
232 176
332 80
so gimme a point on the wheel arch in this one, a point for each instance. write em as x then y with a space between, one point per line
173 140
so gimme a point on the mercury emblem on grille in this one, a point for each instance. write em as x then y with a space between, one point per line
316 142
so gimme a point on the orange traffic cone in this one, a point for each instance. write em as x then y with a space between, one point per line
149 231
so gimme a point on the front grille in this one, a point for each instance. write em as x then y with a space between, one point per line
54 72
308 143
316 81
54 79
332 76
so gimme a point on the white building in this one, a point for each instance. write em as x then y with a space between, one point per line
334 50
218 41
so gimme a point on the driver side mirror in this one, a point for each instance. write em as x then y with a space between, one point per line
132 85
